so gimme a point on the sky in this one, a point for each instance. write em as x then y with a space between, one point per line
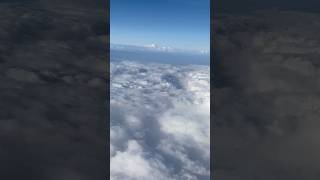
182 24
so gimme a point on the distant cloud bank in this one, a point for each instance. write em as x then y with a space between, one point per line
156 48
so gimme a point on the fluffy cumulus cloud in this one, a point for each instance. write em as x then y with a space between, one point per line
266 96
160 124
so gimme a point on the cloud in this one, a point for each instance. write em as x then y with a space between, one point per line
159 121
52 100
266 96
155 48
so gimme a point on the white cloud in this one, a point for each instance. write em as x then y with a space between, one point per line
160 125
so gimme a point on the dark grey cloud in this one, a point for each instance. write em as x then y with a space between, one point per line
53 98
83 5
248 6
266 96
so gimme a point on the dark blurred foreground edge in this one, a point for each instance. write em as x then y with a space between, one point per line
54 100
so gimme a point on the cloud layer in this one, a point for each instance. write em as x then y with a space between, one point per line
52 93
266 96
160 128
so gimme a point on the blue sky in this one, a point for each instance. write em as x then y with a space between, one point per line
183 24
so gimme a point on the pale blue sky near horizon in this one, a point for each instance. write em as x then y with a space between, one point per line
182 24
